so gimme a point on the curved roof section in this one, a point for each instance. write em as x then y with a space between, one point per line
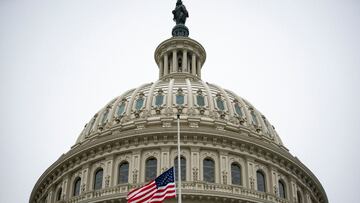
190 97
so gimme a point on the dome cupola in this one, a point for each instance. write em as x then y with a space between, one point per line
180 55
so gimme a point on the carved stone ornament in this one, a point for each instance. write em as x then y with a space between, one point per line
252 183
195 173
135 175
193 124
107 181
83 186
224 177
166 124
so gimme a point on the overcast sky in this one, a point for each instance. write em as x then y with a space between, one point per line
298 62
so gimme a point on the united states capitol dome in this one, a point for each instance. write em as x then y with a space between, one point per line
179 90
230 152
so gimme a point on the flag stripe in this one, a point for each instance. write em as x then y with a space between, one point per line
158 200
143 198
163 187
143 194
154 194
145 187
165 190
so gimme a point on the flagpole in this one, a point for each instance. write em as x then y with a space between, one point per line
179 158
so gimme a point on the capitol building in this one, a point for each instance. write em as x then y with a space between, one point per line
230 152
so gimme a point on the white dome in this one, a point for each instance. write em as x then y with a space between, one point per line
248 162
199 103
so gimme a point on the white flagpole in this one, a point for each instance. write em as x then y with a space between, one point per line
179 158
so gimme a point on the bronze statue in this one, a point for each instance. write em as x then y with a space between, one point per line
180 13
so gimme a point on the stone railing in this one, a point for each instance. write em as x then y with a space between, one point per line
228 191
119 189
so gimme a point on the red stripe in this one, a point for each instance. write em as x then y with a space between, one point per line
143 194
166 196
163 192
165 188
143 198
138 190
154 195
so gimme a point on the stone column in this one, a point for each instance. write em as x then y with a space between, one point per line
50 198
193 64
165 159
224 168
85 179
161 67
293 190
184 61
66 188
188 65
195 162
273 182
251 175
135 168
174 60
307 198
108 171
198 68
263 125
166 64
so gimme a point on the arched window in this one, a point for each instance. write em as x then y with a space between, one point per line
104 118
139 103
238 110
150 169
254 119
159 100
282 192
121 109
260 179
209 170
220 104
183 168
98 179
123 175
299 197
180 97
92 122
58 194
77 184
200 100
235 174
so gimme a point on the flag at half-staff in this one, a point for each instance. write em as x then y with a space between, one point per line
156 191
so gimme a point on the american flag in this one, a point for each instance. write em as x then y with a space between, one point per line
163 187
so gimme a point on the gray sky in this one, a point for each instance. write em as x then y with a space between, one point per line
298 62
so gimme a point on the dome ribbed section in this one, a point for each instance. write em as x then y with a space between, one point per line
199 103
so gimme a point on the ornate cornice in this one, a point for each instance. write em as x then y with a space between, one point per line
243 143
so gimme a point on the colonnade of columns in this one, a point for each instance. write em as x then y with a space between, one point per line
183 61
165 156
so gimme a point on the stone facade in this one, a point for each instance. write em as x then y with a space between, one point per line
246 149
216 124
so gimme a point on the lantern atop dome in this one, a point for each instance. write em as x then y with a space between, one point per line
180 56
